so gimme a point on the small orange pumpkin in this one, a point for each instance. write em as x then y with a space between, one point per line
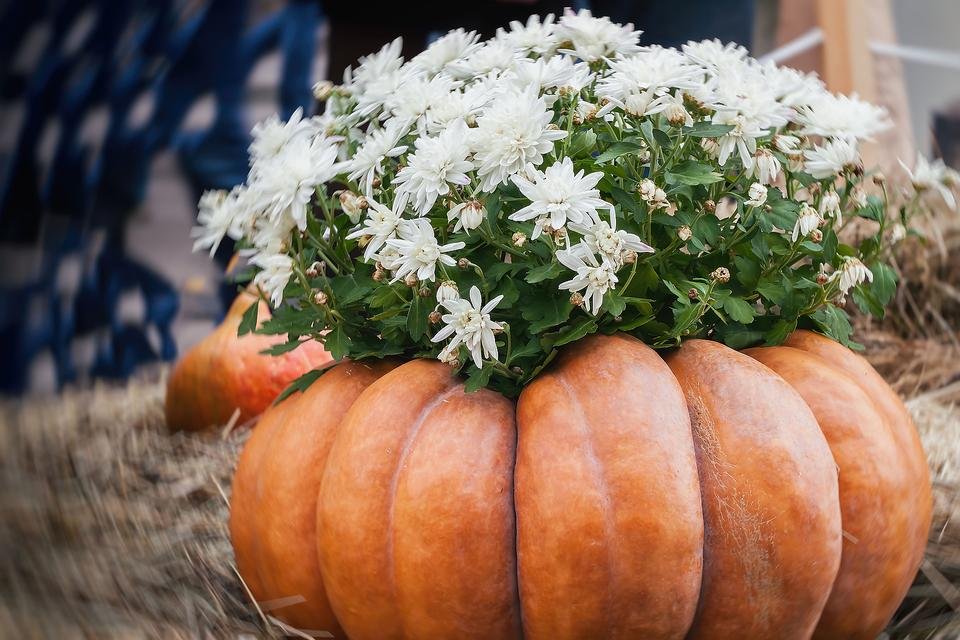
622 496
224 373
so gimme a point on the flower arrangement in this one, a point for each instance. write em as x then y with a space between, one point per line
486 203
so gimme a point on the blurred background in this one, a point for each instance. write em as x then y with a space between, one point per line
116 114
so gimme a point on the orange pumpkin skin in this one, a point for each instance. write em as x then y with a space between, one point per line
416 532
884 497
273 507
224 372
694 498
610 533
770 507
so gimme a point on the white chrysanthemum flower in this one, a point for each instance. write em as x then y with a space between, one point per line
758 195
276 271
831 158
388 258
851 273
787 144
791 87
512 135
461 104
593 39
839 116
714 54
534 37
933 175
897 233
379 226
636 83
808 220
415 97
452 47
469 215
377 65
420 251
284 185
495 56
830 206
214 220
468 321
367 162
765 166
272 135
597 277
558 195
437 163
604 238
742 138
552 73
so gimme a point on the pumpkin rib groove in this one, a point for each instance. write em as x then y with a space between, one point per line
408 443
603 486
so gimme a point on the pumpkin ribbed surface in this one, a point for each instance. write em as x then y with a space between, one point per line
712 495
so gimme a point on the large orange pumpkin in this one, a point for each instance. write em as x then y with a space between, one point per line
224 373
623 496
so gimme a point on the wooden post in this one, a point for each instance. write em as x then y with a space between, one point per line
847 61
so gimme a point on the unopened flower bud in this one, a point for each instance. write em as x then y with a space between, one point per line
322 90
709 206
320 298
449 357
315 269
684 233
519 239
353 205
463 263
721 274
693 294
376 182
879 178
424 292
379 273
434 317
517 370
559 234
448 290
822 278
816 235
576 299
629 256
411 280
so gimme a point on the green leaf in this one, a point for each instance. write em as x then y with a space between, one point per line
544 272
691 172
708 130
417 318
348 289
833 321
545 312
478 378
868 302
884 282
618 149
337 343
282 348
300 384
781 329
738 310
746 270
613 303
577 331
582 143
248 322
